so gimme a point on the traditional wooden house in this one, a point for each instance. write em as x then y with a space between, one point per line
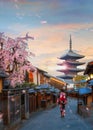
89 72
39 76
2 78
58 83
3 75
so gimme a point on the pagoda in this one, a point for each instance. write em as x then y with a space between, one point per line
70 63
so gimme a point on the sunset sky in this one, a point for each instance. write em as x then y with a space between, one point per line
50 22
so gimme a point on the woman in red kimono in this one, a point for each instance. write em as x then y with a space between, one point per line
62 100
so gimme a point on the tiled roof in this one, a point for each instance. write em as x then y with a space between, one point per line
83 91
72 55
71 70
66 76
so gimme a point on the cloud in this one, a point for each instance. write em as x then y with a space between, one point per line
51 41
38 15
17 28
88 51
54 38
16 6
16 0
20 15
43 22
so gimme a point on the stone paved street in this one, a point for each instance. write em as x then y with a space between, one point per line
50 119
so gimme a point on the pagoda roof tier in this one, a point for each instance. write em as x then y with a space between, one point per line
71 70
71 55
76 63
66 76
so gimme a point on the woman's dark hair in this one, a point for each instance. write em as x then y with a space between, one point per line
62 90
58 96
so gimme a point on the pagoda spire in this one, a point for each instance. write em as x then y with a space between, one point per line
70 44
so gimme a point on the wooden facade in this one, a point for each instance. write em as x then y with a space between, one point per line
57 83
32 102
1 84
89 72
17 104
39 76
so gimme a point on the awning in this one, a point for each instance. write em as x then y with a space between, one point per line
83 91
90 82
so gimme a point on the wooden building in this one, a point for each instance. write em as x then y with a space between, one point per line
58 83
89 72
39 76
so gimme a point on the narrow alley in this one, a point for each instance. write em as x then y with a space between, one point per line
50 119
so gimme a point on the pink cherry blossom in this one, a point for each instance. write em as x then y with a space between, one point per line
14 57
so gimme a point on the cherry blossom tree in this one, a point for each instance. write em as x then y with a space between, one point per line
14 57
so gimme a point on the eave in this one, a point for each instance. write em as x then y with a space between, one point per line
71 70
74 63
71 55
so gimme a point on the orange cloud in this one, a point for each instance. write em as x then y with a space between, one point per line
51 41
